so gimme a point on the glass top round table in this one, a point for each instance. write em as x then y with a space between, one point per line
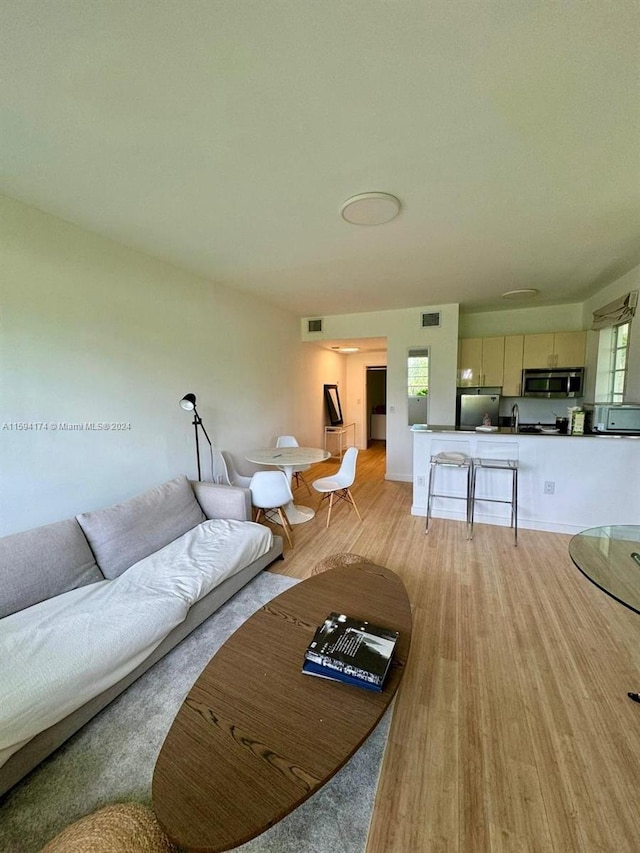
610 557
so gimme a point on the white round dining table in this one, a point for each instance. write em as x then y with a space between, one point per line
289 458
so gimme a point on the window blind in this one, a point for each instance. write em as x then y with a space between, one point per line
621 310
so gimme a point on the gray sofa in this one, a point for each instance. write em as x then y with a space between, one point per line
40 564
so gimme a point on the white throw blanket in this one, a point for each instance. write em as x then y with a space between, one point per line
59 654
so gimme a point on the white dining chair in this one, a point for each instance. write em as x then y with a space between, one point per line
270 493
291 441
236 478
219 472
339 484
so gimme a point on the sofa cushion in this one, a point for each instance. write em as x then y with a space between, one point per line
220 501
122 534
41 563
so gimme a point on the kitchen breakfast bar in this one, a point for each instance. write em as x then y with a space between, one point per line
566 483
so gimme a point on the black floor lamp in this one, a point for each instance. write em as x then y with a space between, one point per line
188 403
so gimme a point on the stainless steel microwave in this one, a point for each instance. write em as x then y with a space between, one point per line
553 382
620 418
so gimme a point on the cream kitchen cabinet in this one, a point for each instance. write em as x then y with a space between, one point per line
513 351
480 362
562 349
570 349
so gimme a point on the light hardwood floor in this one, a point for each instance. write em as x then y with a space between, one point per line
512 730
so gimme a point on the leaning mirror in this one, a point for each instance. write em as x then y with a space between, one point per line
332 402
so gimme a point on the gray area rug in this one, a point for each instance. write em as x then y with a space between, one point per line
112 758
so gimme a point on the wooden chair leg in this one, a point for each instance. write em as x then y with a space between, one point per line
284 521
330 507
258 514
286 518
354 504
304 481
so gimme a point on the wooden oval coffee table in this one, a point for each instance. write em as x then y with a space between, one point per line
255 737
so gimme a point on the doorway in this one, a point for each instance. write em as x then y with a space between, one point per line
376 404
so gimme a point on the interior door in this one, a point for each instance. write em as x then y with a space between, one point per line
376 403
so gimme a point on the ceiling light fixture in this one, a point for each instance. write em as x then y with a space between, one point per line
370 208
520 294
346 349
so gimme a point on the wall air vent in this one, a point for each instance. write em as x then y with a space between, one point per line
314 325
432 319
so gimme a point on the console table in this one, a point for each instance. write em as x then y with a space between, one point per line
340 432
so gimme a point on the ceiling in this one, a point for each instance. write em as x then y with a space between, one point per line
224 137
368 345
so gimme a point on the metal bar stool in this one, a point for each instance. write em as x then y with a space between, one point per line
450 455
496 456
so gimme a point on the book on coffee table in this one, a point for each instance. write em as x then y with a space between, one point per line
350 650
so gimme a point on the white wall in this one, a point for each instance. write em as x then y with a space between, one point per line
628 282
320 367
403 331
521 321
92 332
356 395
317 367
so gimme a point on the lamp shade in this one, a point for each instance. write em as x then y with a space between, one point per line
188 402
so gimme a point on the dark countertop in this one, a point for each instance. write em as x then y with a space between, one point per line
508 431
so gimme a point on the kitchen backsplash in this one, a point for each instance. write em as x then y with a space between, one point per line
533 411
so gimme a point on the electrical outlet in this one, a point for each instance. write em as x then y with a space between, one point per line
549 487
421 481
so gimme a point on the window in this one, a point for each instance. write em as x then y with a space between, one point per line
613 322
418 385
418 373
613 361
619 362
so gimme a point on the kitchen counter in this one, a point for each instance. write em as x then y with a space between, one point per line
564 486
438 428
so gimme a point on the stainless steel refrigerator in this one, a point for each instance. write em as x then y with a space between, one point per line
475 407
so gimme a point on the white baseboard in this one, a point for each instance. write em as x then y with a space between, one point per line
523 523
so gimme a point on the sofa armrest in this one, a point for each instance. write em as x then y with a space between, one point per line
218 501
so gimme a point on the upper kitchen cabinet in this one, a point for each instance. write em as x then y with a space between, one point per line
513 351
562 349
570 349
469 361
480 362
